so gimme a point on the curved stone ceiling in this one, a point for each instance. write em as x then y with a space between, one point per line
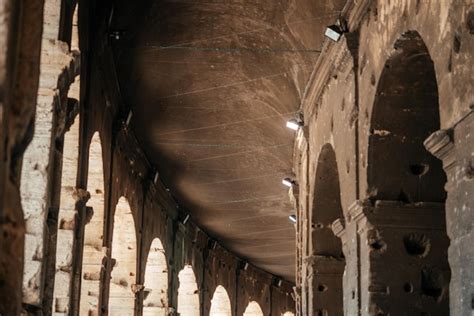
211 85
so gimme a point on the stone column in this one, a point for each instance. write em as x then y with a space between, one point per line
401 258
324 285
456 149
350 247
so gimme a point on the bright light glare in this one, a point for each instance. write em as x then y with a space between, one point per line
332 33
293 124
287 182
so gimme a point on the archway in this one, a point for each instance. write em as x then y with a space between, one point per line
405 113
327 267
156 281
253 309
124 261
288 314
403 172
188 293
93 231
220 303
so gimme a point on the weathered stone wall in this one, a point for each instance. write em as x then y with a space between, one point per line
350 83
55 201
127 173
20 42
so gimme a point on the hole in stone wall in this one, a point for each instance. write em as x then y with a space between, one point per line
417 6
322 312
419 169
472 302
450 62
378 245
408 287
375 241
456 42
417 245
432 282
403 197
322 288
470 21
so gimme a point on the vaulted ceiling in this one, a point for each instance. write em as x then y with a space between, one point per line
211 85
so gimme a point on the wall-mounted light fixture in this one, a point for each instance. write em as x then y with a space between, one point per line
116 34
335 31
277 282
129 118
288 182
294 124
244 265
185 220
212 244
292 218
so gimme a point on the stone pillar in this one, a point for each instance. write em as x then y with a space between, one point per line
401 258
350 279
324 284
456 149
38 162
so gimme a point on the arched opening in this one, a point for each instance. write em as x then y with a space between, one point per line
288 314
188 293
93 231
155 301
405 113
220 303
66 220
253 309
75 31
328 264
124 261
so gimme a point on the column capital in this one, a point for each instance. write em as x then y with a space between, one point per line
441 145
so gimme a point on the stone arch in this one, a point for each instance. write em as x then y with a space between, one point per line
93 251
253 309
405 113
406 184
124 261
188 292
220 303
67 219
156 281
327 264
